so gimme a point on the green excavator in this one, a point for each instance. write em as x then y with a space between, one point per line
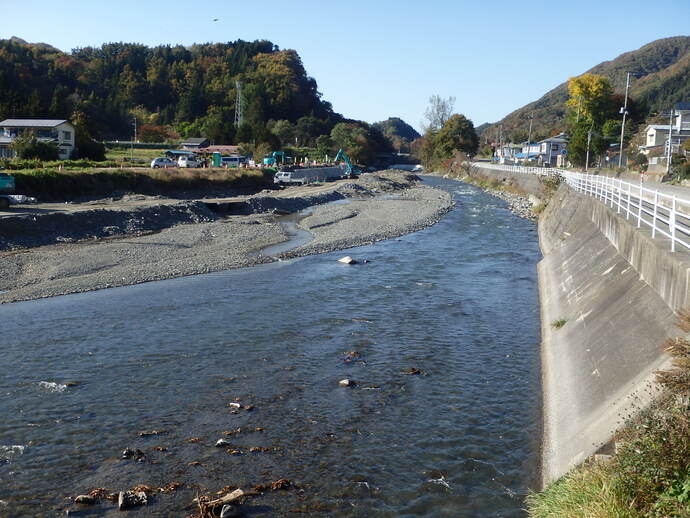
350 170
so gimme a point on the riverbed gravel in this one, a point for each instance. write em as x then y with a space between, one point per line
372 208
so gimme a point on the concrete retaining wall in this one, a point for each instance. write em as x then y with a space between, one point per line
616 288
527 183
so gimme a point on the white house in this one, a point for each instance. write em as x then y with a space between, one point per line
656 135
551 148
59 131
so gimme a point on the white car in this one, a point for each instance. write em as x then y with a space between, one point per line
162 162
187 161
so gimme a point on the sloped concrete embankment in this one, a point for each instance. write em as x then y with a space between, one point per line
616 289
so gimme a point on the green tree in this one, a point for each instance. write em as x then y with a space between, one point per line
285 131
86 146
27 146
325 145
457 134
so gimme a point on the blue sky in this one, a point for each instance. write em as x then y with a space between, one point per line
381 58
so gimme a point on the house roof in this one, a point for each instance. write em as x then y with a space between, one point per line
683 106
194 141
558 140
658 127
32 123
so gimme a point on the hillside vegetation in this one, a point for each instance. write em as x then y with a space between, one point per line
662 70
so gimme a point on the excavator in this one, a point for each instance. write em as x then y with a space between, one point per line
350 170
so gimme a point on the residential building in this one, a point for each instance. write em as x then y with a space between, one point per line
551 148
657 135
530 151
58 131
506 153
194 144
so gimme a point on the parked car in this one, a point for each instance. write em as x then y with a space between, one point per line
188 161
162 162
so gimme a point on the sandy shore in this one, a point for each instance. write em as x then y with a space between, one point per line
370 209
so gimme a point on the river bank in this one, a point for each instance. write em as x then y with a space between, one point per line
372 208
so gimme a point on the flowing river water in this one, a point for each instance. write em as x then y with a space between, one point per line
457 301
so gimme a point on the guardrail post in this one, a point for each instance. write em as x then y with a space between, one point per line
656 204
639 208
672 223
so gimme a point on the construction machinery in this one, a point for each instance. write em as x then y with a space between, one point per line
275 158
6 189
350 170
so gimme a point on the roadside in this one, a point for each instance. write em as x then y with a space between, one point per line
206 242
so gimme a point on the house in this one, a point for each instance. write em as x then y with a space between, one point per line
58 131
194 144
656 135
551 148
506 153
530 151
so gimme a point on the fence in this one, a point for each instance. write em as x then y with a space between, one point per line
665 214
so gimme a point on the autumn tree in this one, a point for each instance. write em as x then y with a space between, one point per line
590 104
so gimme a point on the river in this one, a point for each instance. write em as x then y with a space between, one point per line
457 301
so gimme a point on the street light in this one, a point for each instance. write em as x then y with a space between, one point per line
670 141
624 111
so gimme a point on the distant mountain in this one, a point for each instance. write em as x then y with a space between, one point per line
396 127
662 78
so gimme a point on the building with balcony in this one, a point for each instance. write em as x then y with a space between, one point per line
58 131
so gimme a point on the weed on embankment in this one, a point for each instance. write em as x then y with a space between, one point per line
649 476
55 185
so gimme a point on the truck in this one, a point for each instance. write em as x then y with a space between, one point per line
7 197
308 175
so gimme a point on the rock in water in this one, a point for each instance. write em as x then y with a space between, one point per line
85 500
129 499
347 260
230 511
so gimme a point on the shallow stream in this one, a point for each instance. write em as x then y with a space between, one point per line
458 302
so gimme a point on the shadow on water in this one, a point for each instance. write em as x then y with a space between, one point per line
440 332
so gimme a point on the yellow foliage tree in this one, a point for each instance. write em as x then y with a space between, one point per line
590 97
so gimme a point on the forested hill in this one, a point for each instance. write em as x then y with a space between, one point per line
188 90
662 70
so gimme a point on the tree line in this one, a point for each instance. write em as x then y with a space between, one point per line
176 92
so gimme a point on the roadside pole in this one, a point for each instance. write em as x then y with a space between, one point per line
625 112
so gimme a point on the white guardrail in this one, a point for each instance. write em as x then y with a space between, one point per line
665 214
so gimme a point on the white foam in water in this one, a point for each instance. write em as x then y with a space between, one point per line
51 386
440 481
10 452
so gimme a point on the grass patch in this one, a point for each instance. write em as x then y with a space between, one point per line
557 324
650 474
52 184
583 493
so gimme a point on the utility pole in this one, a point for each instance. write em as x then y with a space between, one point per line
589 139
529 136
670 134
625 112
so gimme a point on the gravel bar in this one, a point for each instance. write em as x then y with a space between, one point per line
114 252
